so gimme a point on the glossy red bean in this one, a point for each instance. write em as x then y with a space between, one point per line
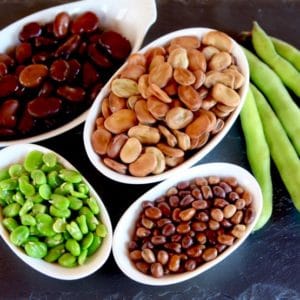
41 57
6 132
173 247
42 41
89 74
168 229
165 209
74 69
30 31
8 85
73 94
194 251
96 89
3 69
23 52
67 48
86 22
59 70
98 57
46 89
61 25
115 44
157 270
153 213
186 242
8 111
32 75
7 60
26 123
42 107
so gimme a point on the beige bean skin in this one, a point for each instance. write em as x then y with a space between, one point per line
144 165
115 145
100 140
131 150
120 121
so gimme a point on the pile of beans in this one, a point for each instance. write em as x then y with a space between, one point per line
49 211
166 103
55 73
191 224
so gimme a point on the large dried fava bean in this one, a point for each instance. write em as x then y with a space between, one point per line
100 140
184 76
171 139
161 74
155 90
116 144
131 101
73 94
8 113
239 78
156 61
32 75
199 80
86 22
178 118
145 134
209 52
137 59
178 58
120 121
59 70
170 151
144 165
124 88
142 113
157 108
143 84
42 107
225 95
133 72
198 127
190 97
173 161
209 254
214 77
114 165
220 61
212 118
219 40
183 140
161 164
105 109
186 41
153 52
197 60
61 25
131 150
116 103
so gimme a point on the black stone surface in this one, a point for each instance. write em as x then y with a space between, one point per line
267 266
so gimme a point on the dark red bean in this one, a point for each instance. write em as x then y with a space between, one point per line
42 41
41 57
29 31
95 37
86 22
8 111
98 57
7 60
26 123
67 48
61 25
5 132
59 70
82 49
32 75
115 44
74 69
158 240
96 90
42 107
3 69
73 94
8 85
46 89
23 52
211 236
186 242
89 74
165 209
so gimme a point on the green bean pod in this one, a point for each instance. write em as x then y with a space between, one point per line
258 155
285 108
265 49
282 151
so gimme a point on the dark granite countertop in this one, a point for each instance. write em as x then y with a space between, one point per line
265 267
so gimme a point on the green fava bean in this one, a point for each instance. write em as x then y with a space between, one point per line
79 195
26 207
59 213
28 220
59 225
55 240
10 224
45 191
34 231
12 210
18 197
93 205
9 184
53 180
16 170
55 253
71 176
7 197
50 159
82 257
95 245
74 231
60 191
101 230
67 260
73 247
66 235
32 239
19 235
82 188
4 174
92 222
75 203
25 187
87 241
44 225
38 177
81 221
36 249
38 209
67 187
59 201
33 160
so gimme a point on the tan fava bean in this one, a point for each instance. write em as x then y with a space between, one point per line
174 263
161 162
186 41
178 58
156 60
153 52
222 93
114 165
198 127
209 52
220 61
142 113
171 139
116 144
157 108
143 84
219 126
197 143
148 256
100 140
229 210
213 77
212 118
131 150
131 101
120 121
200 79
237 217
226 239
105 110
238 77
190 97
208 103
136 59
133 72
179 117
173 161
170 151
124 87
197 60
238 230
100 122
171 87
116 103
184 76
145 134
155 90
144 165
161 74
183 140
219 40
209 254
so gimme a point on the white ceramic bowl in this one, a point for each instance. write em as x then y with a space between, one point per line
124 229
131 18
96 108
16 153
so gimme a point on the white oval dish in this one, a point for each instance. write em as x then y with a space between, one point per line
131 18
95 111
16 153
124 229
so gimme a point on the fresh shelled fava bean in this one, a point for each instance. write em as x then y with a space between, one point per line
49 212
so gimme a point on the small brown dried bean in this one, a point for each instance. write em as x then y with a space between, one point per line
200 181
201 238
187 200
165 209
158 240
220 202
142 266
187 214
174 200
240 204
194 251
176 238
218 192
161 222
174 247
237 217
142 232
247 197
172 191
217 214
73 94
147 223
186 242
229 211
226 239
153 213
199 226
209 254
162 257
238 230
213 225
175 215
168 229
190 265
226 187
147 203
206 192
174 263
249 215
202 216
157 270
233 196
196 193
183 228
135 254
220 247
